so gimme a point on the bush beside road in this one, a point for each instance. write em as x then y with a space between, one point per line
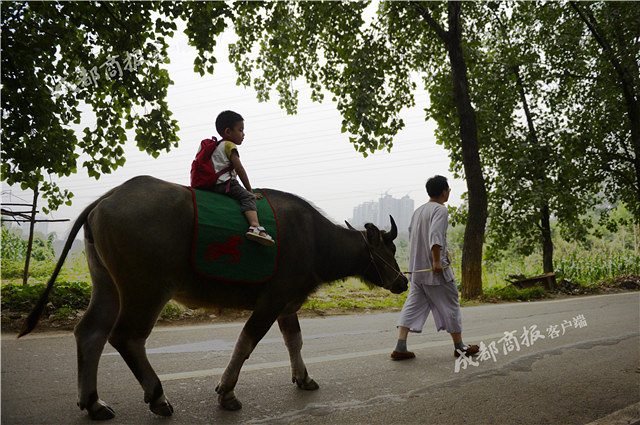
69 300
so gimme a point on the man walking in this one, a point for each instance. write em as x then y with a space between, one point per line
433 286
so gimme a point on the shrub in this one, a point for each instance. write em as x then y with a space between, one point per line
18 297
591 267
63 313
512 293
41 269
172 310
14 247
22 298
73 294
12 269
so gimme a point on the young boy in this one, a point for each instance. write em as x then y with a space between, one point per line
230 126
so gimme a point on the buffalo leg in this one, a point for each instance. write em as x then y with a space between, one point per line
290 328
91 335
136 320
254 330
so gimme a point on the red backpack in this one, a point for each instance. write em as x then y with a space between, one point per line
203 175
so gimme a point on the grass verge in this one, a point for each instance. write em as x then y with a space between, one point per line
71 298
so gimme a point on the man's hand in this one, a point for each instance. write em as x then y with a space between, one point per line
257 195
437 267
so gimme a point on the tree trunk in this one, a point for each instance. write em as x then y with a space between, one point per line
477 191
474 230
545 227
547 243
633 110
27 260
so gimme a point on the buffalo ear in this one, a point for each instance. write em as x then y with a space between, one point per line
393 233
349 225
373 234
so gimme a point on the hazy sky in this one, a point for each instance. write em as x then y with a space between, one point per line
305 154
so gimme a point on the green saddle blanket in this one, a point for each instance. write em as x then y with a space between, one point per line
221 250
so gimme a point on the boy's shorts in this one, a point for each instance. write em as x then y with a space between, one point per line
246 198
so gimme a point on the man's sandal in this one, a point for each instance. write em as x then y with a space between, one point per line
402 355
468 351
254 235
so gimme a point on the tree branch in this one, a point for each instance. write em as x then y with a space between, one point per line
435 26
110 12
122 24
588 18
622 176
567 73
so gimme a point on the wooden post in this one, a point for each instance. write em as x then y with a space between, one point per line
547 280
32 224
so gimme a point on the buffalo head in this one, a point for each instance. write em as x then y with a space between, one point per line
383 270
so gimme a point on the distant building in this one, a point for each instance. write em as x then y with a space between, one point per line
404 212
365 213
378 212
41 227
24 227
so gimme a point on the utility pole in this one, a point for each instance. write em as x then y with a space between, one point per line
32 224
27 216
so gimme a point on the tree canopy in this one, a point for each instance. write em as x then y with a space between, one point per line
368 60
57 56
538 103
543 153
597 49
556 127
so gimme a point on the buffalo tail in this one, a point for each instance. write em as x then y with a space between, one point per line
34 317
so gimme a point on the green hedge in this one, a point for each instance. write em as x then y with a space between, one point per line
12 269
512 293
65 299
22 298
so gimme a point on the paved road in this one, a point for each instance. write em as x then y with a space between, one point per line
583 366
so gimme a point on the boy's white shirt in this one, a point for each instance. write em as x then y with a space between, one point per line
221 159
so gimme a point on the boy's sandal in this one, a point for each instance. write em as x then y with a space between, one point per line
254 235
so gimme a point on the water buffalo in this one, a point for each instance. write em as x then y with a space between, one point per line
138 239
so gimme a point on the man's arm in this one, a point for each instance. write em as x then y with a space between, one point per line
437 263
438 237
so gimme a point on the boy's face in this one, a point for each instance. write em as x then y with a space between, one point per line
235 134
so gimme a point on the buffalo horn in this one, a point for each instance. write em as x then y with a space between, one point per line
393 233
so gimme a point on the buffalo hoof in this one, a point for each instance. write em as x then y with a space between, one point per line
307 383
100 411
161 407
228 400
